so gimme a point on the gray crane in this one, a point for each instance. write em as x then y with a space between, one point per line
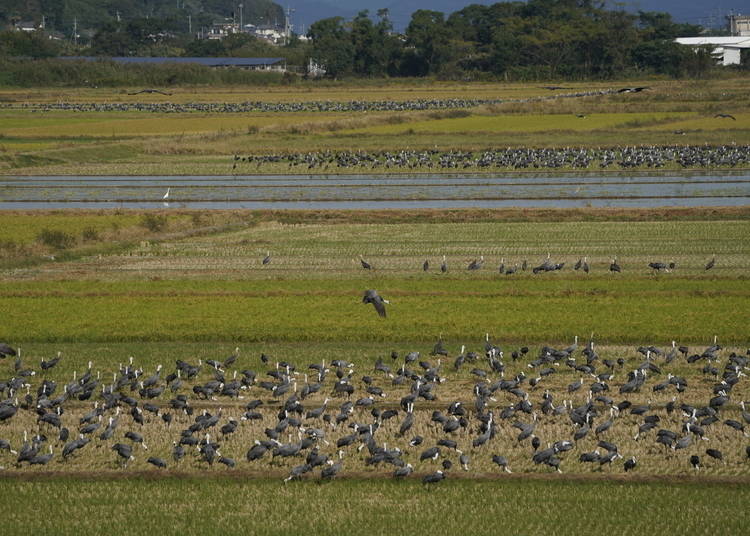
372 296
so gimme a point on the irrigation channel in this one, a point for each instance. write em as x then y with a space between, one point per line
377 191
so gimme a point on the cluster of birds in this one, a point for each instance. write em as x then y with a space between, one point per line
469 427
548 265
647 156
289 107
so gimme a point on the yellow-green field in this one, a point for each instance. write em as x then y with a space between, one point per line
539 123
222 504
159 285
362 90
120 125
136 142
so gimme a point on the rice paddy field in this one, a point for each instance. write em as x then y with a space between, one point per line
47 132
179 505
118 293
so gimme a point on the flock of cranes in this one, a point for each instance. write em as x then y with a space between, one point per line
500 414
413 105
628 157
546 266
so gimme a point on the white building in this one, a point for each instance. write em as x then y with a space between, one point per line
220 30
26 27
726 49
739 25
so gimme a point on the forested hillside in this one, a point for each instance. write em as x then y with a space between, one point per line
91 15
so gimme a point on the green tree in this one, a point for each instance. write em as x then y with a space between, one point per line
428 37
504 51
32 45
113 40
331 46
204 48
375 49
656 25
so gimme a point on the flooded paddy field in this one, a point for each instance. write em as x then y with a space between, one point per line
376 191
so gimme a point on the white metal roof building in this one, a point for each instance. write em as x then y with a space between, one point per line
727 49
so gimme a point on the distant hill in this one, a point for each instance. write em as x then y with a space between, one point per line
703 12
91 14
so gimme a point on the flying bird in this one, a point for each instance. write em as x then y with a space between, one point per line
372 296
150 91
726 116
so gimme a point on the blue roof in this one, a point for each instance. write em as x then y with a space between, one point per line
208 62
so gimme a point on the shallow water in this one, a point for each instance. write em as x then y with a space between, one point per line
377 191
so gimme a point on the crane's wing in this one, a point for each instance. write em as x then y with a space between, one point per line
379 306
372 296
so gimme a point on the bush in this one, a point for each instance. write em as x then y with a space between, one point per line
154 222
56 239
89 234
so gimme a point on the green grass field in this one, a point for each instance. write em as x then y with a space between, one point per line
168 289
622 312
189 506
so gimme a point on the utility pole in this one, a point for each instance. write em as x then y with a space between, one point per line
288 24
241 6
190 25
75 31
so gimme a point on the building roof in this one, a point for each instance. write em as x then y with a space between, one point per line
738 41
208 62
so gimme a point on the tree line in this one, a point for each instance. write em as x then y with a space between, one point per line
538 39
533 40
